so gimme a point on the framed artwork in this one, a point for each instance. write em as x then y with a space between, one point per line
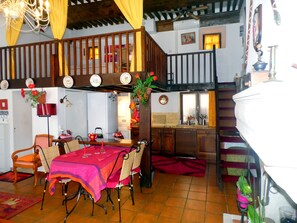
188 38
257 27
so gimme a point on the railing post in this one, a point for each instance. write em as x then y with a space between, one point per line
143 47
54 64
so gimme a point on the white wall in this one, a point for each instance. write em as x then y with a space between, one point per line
284 36
171 106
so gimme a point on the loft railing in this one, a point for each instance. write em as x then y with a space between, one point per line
190 71
104 54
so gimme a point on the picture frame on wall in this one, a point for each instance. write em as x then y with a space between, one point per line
188 38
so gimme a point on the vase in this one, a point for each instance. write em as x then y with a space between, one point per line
42 98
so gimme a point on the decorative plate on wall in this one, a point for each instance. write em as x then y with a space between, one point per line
68 81
125 78
163 99
4 84
29 81
95 80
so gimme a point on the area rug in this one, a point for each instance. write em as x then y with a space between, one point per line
13 204
9 176
180 166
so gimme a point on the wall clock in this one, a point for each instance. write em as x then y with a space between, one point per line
163 99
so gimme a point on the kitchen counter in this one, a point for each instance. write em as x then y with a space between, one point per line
181 126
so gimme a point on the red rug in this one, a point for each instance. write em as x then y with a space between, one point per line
9 176
13 204
180 166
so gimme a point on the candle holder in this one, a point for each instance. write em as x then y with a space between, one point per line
272 72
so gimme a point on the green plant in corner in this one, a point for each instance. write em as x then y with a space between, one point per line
143 89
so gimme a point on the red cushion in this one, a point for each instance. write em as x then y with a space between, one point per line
113 182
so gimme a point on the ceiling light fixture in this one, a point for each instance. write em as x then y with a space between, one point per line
34 12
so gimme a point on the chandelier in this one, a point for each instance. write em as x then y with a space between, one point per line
34 12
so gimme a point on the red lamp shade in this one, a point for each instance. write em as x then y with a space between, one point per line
45 110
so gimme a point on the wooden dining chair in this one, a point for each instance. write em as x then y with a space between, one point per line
136 166
120 179
46 157
71 146
21 158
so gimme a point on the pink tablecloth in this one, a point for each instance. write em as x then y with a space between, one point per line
91 172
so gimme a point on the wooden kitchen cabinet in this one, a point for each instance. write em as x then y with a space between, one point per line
156 140
206 144
168 141
163 141
186 142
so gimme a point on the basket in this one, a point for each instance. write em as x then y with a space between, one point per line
99 133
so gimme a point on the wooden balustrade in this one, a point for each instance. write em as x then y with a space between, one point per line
108 55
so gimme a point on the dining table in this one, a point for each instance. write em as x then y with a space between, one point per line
90 167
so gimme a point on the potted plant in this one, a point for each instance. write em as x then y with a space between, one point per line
33 96
143 89
244 192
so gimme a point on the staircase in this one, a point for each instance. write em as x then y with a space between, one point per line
234 157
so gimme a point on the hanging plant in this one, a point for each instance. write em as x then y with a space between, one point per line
143 89
33 96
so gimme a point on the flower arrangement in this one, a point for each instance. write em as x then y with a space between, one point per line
32 96
143 89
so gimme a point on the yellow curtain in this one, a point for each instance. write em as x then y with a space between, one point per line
58 21
212 109
12 35
133 12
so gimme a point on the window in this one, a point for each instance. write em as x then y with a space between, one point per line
95 53
193 105
211 39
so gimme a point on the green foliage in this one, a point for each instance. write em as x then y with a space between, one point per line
244 187
253 216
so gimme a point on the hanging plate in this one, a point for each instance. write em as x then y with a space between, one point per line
95 80
68 81
4 84
125 78
29 81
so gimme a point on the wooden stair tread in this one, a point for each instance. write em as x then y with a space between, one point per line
235 151
237 165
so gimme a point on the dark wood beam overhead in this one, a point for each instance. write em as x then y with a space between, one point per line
97 13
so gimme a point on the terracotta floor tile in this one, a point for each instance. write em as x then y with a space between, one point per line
163 219
175 202
214 189
197 196
145 218
190 216
172 212
153 208
216 208
214 218
159 198
200 181
181 186
197 188
195 205
179 193
217 198
184 179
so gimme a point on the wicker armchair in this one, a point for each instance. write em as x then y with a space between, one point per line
21 158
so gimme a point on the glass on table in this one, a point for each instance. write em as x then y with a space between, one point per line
102 150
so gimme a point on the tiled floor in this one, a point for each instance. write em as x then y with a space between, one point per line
172 198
